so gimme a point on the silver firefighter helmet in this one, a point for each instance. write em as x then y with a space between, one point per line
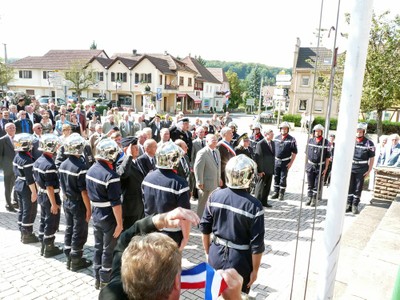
74 144
240 171
23 142
168 156
108 150
49 143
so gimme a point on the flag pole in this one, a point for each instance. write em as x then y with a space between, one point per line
356 56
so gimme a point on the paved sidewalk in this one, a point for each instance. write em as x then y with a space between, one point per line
24 274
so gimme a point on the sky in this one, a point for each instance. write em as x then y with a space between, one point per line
256 31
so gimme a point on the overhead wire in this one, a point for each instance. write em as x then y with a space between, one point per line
326 131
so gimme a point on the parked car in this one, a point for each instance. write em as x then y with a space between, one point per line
267 114
44 101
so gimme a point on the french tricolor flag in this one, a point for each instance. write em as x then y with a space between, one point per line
228 94
203 276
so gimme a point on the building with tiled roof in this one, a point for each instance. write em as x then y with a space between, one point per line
124 77
301 89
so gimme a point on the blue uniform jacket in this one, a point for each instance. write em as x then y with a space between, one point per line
23 170
315 151
236 216
103 184
45 172
363 151
73 177
285 147
163 190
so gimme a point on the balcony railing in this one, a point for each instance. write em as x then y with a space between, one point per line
170 87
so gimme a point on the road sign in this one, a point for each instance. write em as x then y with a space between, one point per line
283 77
283 83
250 101
279 97
279 92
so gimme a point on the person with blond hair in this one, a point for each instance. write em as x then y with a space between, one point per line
149 266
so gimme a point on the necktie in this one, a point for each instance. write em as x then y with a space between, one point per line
152 163
184 165
215 157
202 143
269 145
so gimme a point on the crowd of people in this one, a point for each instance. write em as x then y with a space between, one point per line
127 172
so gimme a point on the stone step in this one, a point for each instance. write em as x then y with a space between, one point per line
369 257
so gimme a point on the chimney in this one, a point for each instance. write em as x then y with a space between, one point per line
134 52
165 52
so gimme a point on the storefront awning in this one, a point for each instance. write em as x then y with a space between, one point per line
180 95
195 98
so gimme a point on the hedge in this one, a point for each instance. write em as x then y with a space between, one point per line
387 126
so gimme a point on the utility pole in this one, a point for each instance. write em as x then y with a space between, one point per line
259 102
5 53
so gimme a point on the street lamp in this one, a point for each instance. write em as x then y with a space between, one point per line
117 85
147 93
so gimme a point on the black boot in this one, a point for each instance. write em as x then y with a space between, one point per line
78 263
281 196
313 201
29 238
348 208
42 248
308 201
67 254
354 209
275 195
51 250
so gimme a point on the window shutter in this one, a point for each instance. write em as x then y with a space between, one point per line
136 78
124 77
149 78
112 76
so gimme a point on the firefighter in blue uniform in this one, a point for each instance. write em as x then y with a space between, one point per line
236 220
285 154
363 161
104 190
25 187
164 190
317 154
256 135
46 177
76 204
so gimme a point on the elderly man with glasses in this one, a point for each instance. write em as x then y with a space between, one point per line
23 125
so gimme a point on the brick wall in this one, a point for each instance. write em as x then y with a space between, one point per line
387 183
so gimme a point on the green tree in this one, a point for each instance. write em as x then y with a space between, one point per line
201 60
6 75
80 77
235 88
93 46
381 88
254 82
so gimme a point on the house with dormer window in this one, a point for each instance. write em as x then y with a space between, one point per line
208 89
303 77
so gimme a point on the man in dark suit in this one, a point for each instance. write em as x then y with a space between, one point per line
31 115
131 181
184 169
52 113
23 125
265 159
147 161
181 131
6 159
156 125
